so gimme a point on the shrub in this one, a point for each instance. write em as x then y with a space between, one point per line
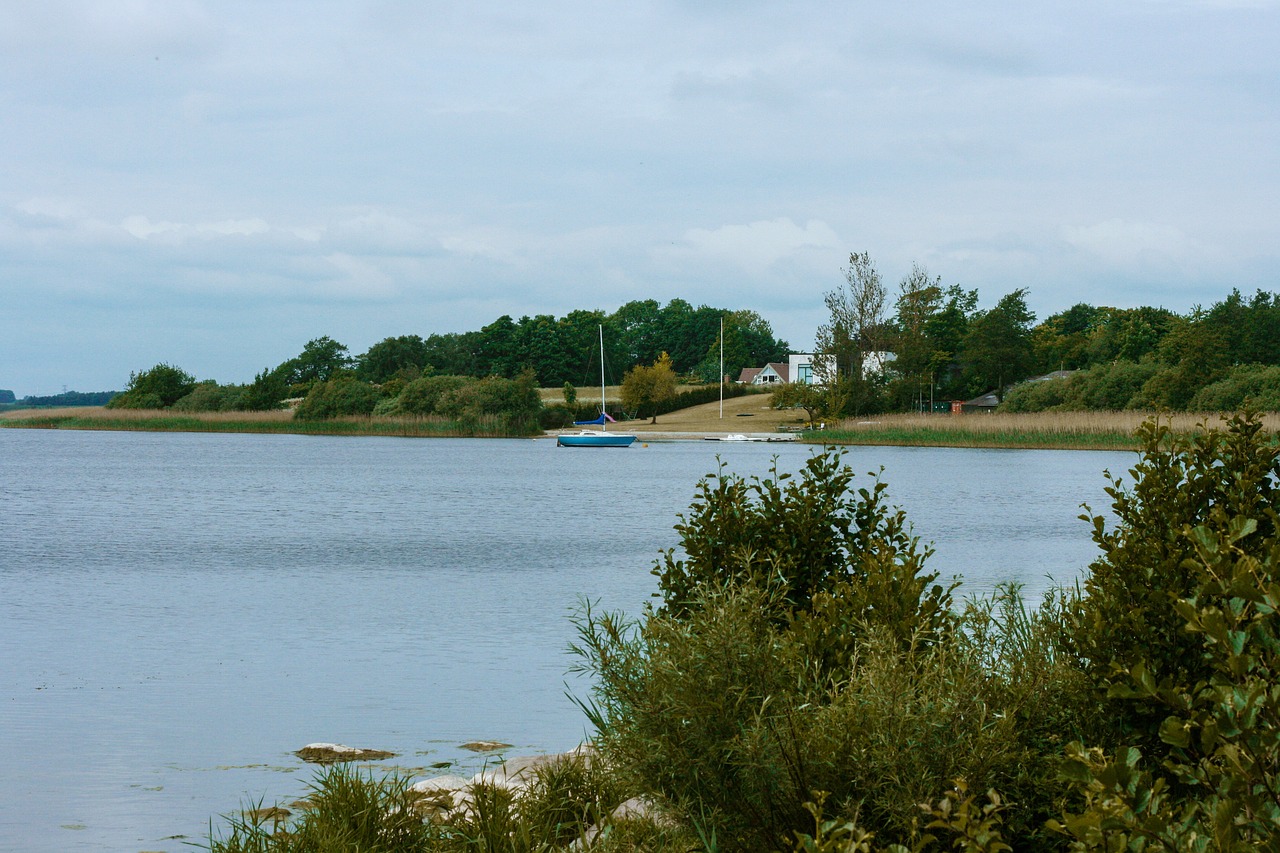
157 388
843 554
268 391
422 396
1129 613
209 396
723 714
1253 384
1214 781
513 401
1036 396
339 397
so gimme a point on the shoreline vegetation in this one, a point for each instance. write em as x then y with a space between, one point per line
280 422
1032 431
1026 431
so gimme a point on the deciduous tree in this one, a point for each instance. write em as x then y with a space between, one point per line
644 387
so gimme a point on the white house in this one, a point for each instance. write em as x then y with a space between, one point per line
800 365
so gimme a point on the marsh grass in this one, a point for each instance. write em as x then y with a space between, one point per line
1039 430
355 811
152 420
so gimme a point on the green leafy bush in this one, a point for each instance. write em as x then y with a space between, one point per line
1129 612
1213 781
814 539
209 396
1255 385
339 397
157 388
422 396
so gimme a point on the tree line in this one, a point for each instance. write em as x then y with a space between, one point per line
945 348
492 372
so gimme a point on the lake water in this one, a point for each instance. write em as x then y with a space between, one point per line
180 612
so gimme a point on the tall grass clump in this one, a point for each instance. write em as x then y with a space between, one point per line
347 810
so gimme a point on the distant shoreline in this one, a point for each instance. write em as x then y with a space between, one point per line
1041 431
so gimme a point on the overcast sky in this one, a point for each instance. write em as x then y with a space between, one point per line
213 184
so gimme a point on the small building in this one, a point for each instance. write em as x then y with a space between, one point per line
748 375
984 403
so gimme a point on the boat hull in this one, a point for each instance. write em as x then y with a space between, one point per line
588 438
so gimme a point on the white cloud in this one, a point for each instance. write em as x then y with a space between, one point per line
756 246
143 228
1128 244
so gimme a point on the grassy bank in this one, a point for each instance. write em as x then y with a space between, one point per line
282 422
1041 430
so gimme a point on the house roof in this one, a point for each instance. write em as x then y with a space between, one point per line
989 399
780 368
748 374
1057 374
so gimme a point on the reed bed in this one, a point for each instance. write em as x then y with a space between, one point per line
1039 430
282 422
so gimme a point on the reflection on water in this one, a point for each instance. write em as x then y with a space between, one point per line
179 612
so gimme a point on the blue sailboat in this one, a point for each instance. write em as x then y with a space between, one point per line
596 437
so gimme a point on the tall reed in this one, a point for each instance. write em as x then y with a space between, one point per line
1065 430
148 420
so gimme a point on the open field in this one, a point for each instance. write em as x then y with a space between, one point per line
750 414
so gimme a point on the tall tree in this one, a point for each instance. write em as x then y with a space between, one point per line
637 326
406 355
321 359
1061 341
997 349
856 322
496 351
919 300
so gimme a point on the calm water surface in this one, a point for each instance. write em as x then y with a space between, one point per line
179 612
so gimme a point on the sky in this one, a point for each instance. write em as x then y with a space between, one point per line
213 184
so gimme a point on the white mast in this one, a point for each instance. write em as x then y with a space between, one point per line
721 367
604 417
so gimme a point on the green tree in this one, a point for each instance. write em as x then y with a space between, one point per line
802 395
748 342
855 324
997 348
637 327
321 359
1061 342
497 352
405 355
946 330
643 387
579 337
918 357
453 354
157 388
267 391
